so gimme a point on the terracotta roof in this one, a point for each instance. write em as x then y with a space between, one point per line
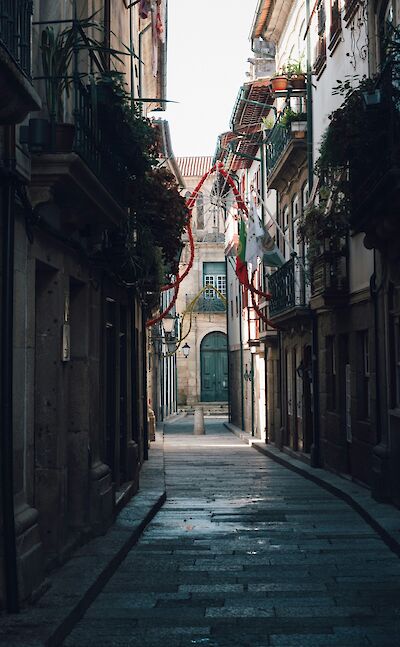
260 18
194 166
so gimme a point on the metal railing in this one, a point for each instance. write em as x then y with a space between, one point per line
94 145
287 287
329 273
205 303
15 31
277 141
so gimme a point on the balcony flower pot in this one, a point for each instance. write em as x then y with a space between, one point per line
298 81
279 82
298 129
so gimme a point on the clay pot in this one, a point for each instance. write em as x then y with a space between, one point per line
298 81
279 83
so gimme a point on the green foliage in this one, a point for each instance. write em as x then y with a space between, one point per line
294 67
156 200
121 119
57 52
289 116
354 133
268 122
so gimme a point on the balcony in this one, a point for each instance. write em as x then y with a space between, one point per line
206 304
84 173
329 280
289 292
286 152
375 179
17 97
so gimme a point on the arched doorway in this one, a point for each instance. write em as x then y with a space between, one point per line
214 368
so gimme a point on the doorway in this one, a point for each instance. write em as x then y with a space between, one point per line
214 368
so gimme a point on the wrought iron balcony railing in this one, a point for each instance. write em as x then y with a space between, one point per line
95 147
276 144
329 274
205 303
288 287
15 31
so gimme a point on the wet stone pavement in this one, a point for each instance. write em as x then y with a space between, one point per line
245 552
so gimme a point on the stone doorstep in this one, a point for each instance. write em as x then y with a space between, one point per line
382 517
77 583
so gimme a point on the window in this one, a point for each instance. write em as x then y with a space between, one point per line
320 51
331 373
295 221
364 399
336 19
214 275
286 233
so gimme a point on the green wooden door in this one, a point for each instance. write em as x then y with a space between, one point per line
214 368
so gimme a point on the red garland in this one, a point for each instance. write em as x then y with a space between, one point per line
219 168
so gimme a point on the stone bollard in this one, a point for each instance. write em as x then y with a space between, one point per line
198 428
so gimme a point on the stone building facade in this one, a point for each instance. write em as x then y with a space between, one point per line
203 375
73 398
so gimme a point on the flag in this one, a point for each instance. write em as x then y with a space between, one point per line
272 255
241 265
255 233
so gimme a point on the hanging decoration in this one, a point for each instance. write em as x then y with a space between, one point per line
241 266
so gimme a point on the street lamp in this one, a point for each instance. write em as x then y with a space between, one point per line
186 350
169 324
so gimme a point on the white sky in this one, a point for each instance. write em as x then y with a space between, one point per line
208 48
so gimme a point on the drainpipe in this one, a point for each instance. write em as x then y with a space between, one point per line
227 338
252 392
6 415
241 358
315 446
144 389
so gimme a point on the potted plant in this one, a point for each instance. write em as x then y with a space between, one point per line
298 125
57 51
295 121
296 74
279 82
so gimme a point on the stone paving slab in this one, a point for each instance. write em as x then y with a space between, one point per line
384 518
73 587
216 568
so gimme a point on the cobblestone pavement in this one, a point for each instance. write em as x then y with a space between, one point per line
245 552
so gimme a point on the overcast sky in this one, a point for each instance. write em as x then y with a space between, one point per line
208 48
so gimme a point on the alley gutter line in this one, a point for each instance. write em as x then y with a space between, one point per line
307 472
77 612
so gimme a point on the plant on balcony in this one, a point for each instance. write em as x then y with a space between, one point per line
133 135
57 54
156 200
279 81
143 253
296 74
354 134
290 116
324 226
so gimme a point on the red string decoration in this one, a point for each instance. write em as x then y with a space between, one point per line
244 280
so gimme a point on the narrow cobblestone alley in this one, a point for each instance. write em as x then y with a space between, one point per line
245 552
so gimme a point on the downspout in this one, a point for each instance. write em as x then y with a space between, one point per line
252 392
144 390
6 443
241 358
227 339
315 446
